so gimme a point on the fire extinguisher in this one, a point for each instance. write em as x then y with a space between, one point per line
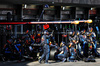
8 27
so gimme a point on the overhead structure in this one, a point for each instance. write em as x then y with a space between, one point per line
60 22
58 2
75 22
50 22
14 23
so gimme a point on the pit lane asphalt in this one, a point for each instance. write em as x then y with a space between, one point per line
52 63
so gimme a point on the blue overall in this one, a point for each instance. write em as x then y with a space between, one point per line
19 56
16 46
46 53
72 57
83 40
46 49
95 43
64 55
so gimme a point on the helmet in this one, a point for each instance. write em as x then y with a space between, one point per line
78 32
73 33
87 34
90 29
93 35
70 33
83 31
62 43
71 44
45 32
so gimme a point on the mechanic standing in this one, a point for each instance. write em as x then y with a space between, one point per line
46 48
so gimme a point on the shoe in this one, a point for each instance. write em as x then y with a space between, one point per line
64 60
67 59
23 60
75 60
39 61
47 63
8 61
93 60
58 61
18 61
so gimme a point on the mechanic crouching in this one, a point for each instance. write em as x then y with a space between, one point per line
63 54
